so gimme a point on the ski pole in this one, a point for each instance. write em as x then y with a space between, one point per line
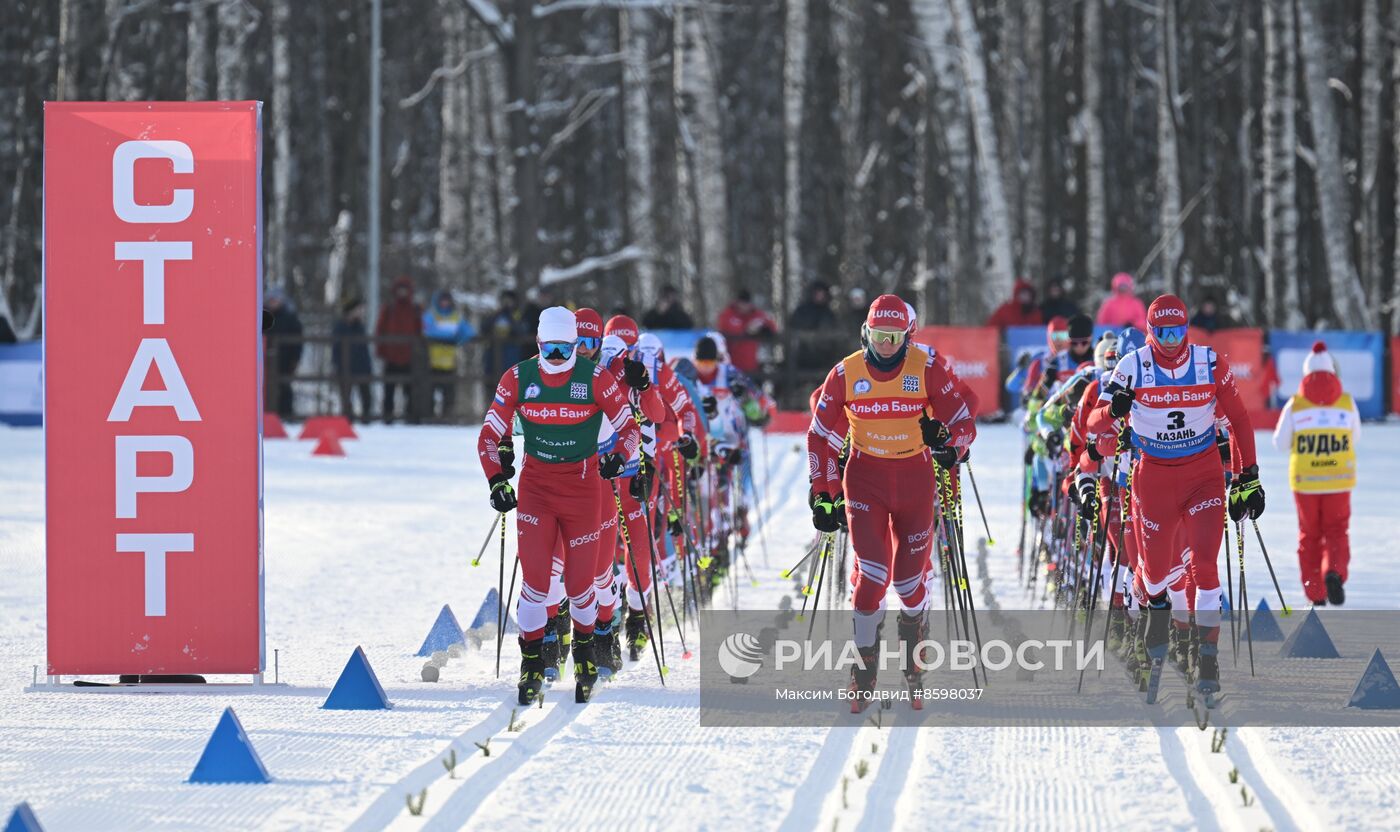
1244 596
500 589
1270 564
978 495
655 585
501 631
821 579
811 550
476 561
1230 587
636 579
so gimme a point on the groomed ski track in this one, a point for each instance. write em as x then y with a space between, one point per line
364 551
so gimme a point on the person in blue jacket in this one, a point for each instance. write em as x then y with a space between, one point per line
446 329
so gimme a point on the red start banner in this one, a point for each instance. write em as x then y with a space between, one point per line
1244 349
152 397
974 352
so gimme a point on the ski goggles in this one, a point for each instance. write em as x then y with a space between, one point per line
1060 337
588 343
557 349
1170 335
885 337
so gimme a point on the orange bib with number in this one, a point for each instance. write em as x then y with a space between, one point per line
884 415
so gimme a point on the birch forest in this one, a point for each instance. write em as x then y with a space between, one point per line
938 148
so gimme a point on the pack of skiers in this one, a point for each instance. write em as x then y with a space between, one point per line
636 473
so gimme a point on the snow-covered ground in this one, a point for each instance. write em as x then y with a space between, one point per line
365 550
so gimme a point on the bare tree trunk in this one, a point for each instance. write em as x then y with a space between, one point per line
1372 141
1348 297
700 97
847 31
279 266
70 50
1095 199
794 92
197 52
951 117
1394 306
636 84
998 274
450 239
1011 69
1280 169
1033 220
231 56
525 143
1168 163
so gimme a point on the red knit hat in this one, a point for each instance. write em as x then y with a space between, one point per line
888 312
1166 310
590 323
624 328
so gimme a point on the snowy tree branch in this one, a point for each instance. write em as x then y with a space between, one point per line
487 12
445 73
550 275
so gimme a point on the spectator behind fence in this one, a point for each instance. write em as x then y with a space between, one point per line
1209 317
7 332
1020 310
350 357
811 318
401 317
1057 301
668 312
286 353
507 329
1123 308
446 329
743 323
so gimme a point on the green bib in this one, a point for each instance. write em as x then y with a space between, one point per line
560 423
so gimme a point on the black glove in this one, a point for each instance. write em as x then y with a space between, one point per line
694 472
1030 455
610 465
1222 444
1247 495
734 456
1039 503
1122 402
1092 449
673 523
945 455
711 406
840 504
635 374
1050 376
502 493
1125 440
687 446
1055 441
737 388
640 486
506 452
824 515
1088 497
935 433
1023 361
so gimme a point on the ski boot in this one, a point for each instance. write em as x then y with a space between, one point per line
1156 642
607 653
1179 649
913 630
585 670
531 670
862 685
1336 595
1117 628
550 655
636 633
673 524
1208 672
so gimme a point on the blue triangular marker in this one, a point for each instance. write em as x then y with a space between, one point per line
358 688
1225 603
1309 641
445 633
228 756
488 612
1262 624
22 820
1377 688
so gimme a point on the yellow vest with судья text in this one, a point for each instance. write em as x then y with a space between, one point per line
1322 456
884 415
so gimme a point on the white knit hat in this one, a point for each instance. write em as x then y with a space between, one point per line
1319 360
557 324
